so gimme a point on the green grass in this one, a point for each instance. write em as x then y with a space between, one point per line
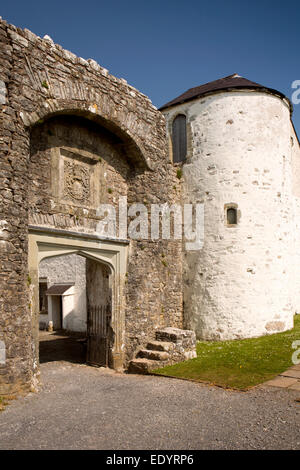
2 403
238 364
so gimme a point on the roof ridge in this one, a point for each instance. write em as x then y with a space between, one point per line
223 83
234 75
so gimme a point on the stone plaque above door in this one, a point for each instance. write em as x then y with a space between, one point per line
75 177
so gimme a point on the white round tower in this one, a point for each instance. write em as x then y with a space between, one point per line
238 163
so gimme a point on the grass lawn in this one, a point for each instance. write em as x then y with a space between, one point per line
1 404
238 364
4 400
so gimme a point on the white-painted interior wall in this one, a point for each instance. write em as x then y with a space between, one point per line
54 311
71 313
68 269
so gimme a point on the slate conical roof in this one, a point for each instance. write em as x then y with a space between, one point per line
234 81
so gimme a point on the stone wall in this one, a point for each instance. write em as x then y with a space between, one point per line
120 135
15 320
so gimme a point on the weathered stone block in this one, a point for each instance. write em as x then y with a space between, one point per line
160 345
176 335
141 366
153 355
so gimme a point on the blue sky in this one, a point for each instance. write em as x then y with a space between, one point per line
164 47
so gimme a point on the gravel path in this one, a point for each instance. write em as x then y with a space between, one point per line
81 407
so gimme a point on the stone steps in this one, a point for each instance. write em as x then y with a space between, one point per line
160 345
153 355
174 335
142 366
170 346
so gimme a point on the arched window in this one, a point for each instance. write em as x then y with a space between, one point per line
179 138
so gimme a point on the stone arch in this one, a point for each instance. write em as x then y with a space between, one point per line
86 254
96 286
117 123
46 243
94 256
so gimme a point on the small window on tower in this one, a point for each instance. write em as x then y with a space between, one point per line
232 216
179 142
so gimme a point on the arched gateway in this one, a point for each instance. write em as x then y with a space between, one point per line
72 138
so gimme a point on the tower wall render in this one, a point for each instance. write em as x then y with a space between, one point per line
241 283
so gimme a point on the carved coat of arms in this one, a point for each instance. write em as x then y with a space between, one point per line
77 182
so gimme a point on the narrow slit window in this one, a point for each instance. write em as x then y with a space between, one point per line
231 216
179 142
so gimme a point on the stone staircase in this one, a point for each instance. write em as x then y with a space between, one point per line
171 345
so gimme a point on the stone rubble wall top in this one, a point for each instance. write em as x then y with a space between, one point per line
24 36
39 78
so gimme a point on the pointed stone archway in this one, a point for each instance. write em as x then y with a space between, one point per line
47 242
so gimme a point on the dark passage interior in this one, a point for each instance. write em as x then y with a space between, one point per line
62 346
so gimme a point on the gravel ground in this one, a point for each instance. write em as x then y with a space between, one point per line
81 407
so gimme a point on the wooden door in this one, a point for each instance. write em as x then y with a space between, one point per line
97 334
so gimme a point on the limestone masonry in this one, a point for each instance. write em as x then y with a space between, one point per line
73 137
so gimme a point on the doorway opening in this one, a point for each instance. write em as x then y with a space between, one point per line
75 302
47 243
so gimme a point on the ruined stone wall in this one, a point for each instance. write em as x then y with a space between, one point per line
15 320
69 150
152 264
240 284
126 155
